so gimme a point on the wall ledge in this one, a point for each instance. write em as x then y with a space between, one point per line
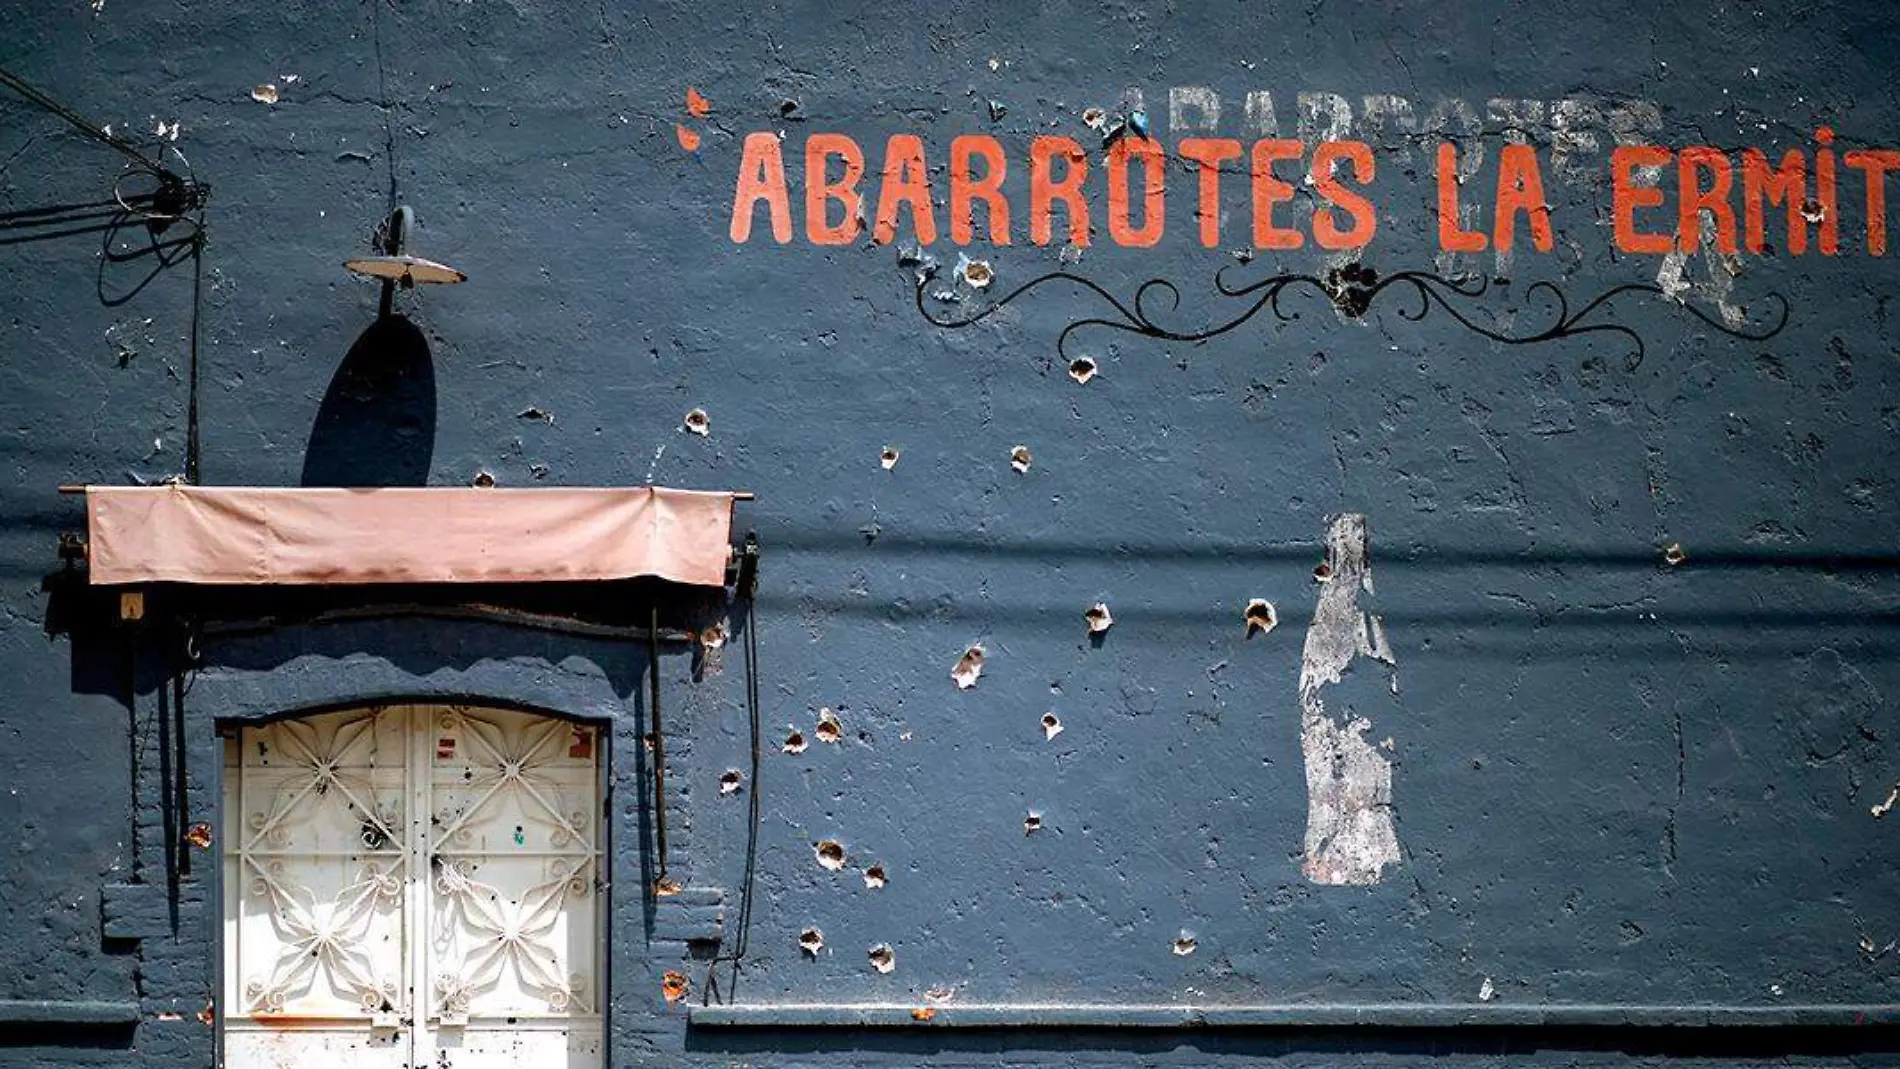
49 1011
1378 1015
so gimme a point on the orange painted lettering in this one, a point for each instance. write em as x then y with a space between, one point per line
1045 188
1786 185
1520 192
1874 164
761 178
1153 200
1209 153
1365 222
1692 199
1269 191
821 190
1626 196
1452 236
906 182
965 191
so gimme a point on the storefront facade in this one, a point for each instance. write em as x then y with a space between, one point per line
840 535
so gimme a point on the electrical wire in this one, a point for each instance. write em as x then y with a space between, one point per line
177 198
659 745
80 122
744 925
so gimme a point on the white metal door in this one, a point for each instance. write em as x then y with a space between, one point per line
413 887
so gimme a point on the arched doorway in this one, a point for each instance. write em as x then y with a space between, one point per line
413 886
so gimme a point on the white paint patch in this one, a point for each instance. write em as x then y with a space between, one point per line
1323 117
1198 100
1260 117
1350 836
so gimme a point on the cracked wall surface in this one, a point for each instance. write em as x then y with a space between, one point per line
1644 608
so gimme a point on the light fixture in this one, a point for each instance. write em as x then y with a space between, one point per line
395 267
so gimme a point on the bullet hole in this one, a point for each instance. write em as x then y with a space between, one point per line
698 422
713 637
482 480
923 1013
1184 944
888 458
811 941
731 781
1812 211
830 853
1487 992
1261 617
536 414
795 742
883 958
1673 554
209 1014
968 668
666 887
1032 823
1099 618
977 273
1094 118
1051 725
790 110
829 728
1020 459
1322 572
265 94
874 878
1082 369
199 835
673 985
998 109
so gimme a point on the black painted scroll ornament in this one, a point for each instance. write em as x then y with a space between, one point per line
1353 290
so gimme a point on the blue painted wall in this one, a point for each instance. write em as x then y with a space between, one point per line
1616 781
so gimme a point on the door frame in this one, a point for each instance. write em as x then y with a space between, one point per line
608 905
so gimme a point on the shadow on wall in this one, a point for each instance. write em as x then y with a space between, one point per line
376 425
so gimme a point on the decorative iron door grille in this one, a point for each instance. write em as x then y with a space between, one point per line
413 887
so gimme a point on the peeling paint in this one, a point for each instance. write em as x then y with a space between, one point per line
673 985
1350 836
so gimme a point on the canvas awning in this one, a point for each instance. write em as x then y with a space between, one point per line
284 535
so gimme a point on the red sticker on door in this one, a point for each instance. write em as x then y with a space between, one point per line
583 745
445 748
